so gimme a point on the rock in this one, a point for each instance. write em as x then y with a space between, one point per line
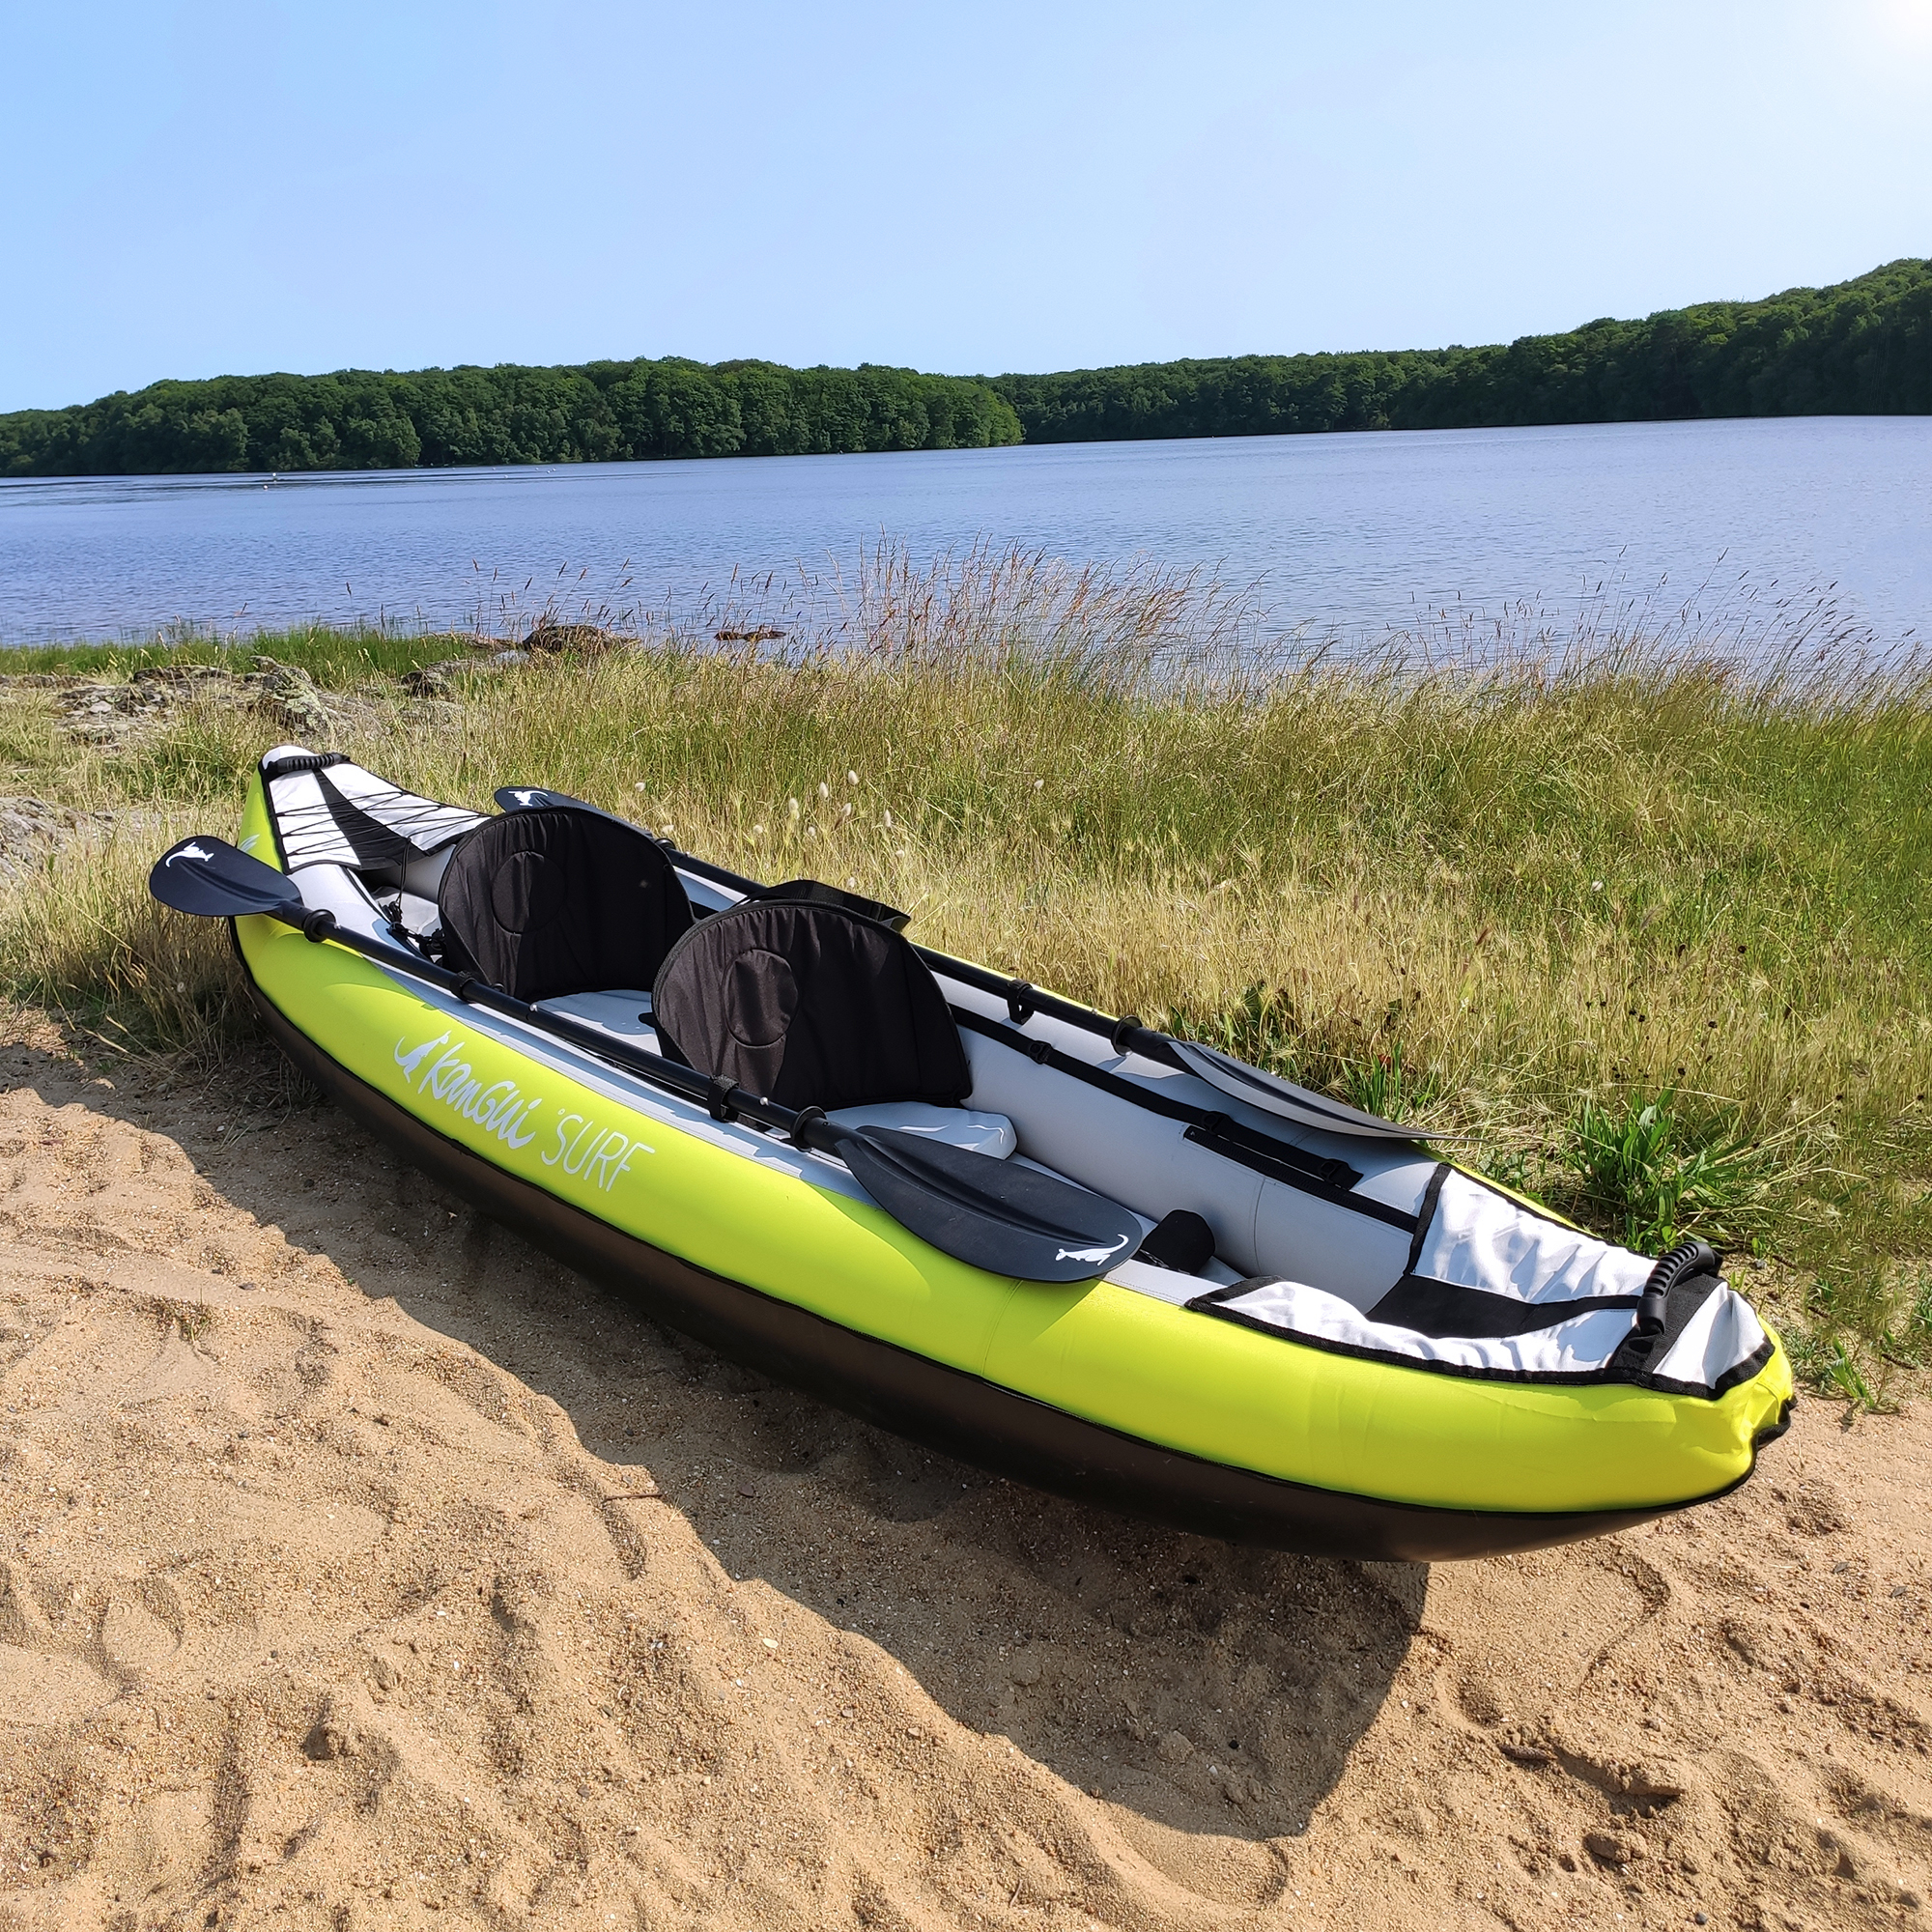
292 696
578 639
434 680
32 831
763 634
176 676
1176 1747
1026 1668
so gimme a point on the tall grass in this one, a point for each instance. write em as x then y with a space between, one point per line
334 657
1646 924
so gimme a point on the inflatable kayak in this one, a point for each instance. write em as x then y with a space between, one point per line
1065 1247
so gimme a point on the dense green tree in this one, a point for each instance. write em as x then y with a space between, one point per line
360 420
1862 347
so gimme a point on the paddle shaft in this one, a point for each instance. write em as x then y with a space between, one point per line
806 1127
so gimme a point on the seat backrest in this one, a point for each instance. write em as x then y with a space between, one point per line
811 1006
561 900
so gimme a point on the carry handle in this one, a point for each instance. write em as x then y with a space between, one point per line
1686 1260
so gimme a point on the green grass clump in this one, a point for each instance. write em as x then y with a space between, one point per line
1649 931
336 658
1649 1172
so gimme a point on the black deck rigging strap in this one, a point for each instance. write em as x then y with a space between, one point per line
373 843
1446 1310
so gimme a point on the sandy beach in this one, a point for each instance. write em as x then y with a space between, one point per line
360 1567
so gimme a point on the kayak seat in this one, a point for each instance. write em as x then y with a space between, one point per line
811 1005
559 900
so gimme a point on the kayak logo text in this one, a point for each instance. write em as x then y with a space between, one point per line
438 1068
602 1155
500 1107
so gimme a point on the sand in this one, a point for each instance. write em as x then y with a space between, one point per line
360 1567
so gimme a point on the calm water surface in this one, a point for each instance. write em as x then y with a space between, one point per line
1351 534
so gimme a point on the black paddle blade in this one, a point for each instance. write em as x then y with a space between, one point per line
210 879
530 798
993 1214
1283 1098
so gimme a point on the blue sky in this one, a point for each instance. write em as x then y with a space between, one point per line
186 190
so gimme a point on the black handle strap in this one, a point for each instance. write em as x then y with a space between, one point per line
1685 1261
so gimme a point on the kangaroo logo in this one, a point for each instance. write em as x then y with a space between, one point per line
1088 1254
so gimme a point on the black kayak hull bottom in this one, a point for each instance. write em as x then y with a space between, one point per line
944 1409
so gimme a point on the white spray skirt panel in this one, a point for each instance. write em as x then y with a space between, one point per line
1482 1239
1579 1346
1720 1336
305 815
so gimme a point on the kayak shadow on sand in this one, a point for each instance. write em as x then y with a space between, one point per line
1206 1687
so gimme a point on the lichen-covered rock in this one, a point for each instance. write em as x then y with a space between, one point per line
291 695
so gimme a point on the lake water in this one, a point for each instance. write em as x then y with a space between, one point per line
1348 535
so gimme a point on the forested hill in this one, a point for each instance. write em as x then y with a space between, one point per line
603 412
1862 347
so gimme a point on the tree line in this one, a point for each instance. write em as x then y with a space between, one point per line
1862 347
599 413
1858 348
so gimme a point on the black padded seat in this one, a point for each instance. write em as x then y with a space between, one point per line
811 1005
561 900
